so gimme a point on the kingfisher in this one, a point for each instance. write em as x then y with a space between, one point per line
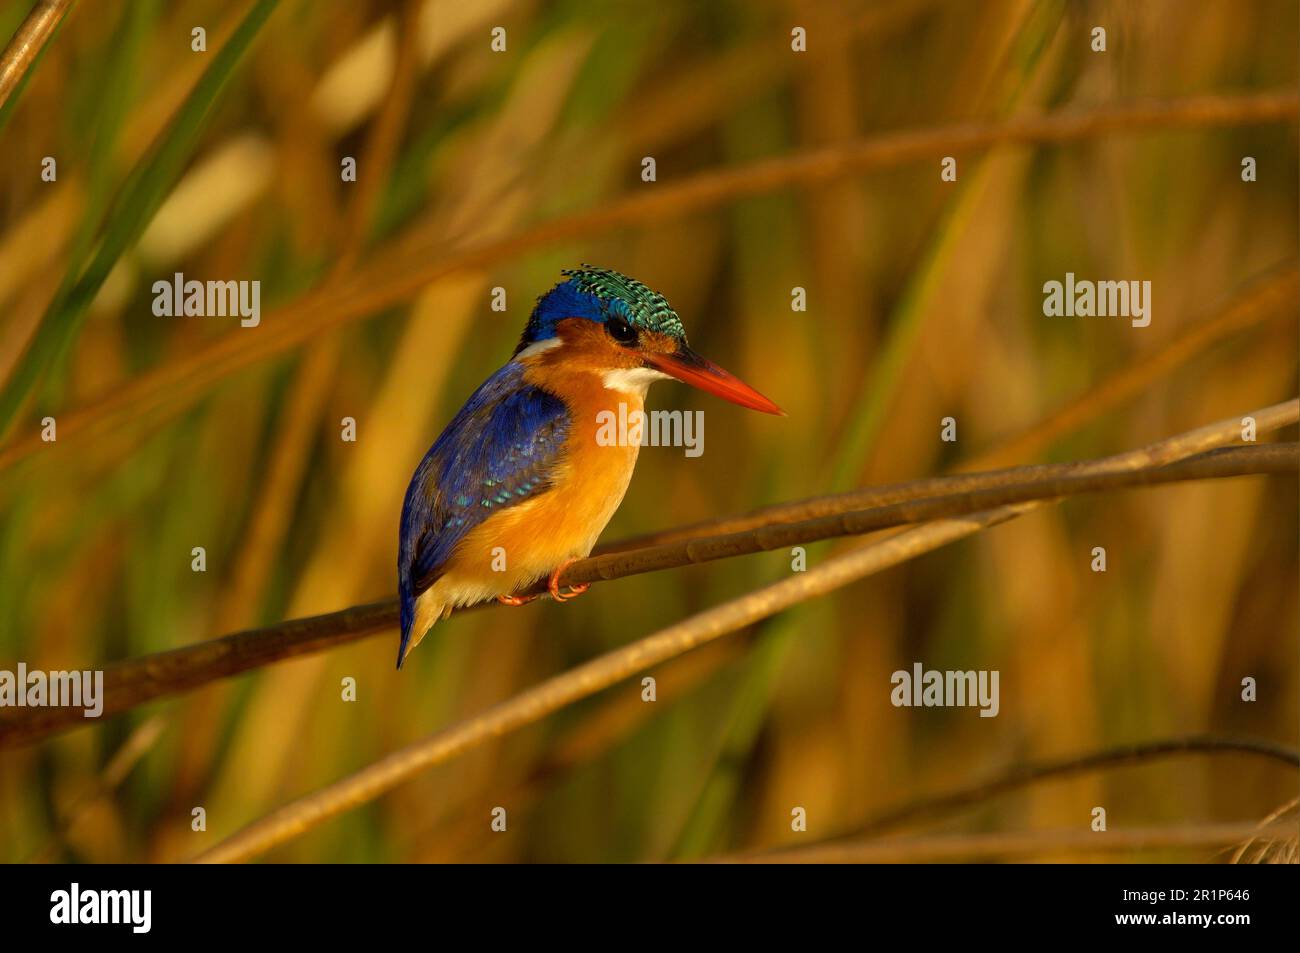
519 486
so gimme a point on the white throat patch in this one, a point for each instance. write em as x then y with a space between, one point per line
632 380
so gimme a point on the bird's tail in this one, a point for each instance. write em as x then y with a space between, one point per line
418 616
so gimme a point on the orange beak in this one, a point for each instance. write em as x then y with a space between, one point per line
688 367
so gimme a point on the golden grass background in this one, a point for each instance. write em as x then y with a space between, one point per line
924 302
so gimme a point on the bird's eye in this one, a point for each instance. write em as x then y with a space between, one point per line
621 331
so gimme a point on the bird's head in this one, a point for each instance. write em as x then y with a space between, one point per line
606 323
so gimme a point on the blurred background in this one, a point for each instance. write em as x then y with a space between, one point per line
924 301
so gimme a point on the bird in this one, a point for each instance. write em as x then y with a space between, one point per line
518 486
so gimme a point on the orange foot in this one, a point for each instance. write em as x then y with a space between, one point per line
553 584
515 600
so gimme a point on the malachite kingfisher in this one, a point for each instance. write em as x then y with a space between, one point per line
518 486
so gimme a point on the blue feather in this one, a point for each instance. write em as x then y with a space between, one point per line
499 450
565 300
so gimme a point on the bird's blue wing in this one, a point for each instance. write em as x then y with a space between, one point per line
500 449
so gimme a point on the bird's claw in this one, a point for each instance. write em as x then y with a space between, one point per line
515 600
553 584
573 593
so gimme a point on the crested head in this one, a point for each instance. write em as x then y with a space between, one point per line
601 294
598 322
